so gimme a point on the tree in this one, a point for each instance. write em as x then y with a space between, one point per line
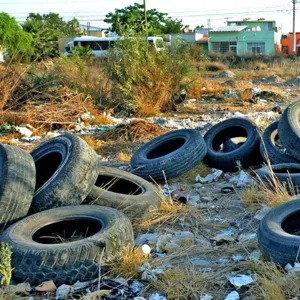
13 40
133 16
46 28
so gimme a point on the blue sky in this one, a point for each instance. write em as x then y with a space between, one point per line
192 12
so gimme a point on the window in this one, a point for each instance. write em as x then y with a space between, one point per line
112 44
224 47
100 45
256 48
86 44
268 26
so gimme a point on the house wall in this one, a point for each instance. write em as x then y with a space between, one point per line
244 37
288 43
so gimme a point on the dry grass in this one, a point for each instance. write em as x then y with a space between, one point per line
215 66
178 284
92 142
13 118
138 130
168 211
128 262
124 157
246 74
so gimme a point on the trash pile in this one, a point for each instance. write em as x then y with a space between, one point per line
60 207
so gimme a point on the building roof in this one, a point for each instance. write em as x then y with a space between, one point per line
229 29
250 21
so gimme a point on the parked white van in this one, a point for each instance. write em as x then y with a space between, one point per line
99 46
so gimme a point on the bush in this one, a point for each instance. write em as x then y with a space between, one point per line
145 80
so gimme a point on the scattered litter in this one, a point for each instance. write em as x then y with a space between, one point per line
78 286
226 236
206 297
241 180
233 296
20 288
24 131
222 261
227 189
292 270
157 297
146 238
139 298
178 196
255 255
63 291
247 237
209 178
46 286
149 274
240 280
238 258
206 199
146 249
262 212
136 287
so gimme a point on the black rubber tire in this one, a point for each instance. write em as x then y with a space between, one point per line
191 151
289 130
65 263
233 144
71 175
277 236
248 154
116 188
267 144
286 178
17 173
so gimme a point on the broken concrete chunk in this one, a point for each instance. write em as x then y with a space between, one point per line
210 177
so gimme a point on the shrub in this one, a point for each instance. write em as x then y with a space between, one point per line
215 66
144 80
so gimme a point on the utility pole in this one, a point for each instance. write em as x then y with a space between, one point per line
146 22
294 26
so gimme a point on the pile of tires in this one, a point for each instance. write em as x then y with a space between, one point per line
53 233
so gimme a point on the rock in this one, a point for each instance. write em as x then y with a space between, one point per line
226 74
63 291
184 235
145 238
225 236
171 245
206 199
193 198
197 185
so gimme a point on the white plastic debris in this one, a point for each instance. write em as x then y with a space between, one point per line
136 286
146 249
241 180
292 270
63 291
240 280
206 297
233 296
210 177
139 298
156 296
262 212
24 131
237 258
247 237
226 236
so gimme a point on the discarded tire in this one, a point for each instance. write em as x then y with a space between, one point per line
173 153
233 144
247 154
269 149
17 184
42 249
122 190
279 233
288 174
65 172
289 129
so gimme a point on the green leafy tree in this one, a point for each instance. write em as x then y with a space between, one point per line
133 17
13 40
46 28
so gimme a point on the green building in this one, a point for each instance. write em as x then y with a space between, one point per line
244 37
